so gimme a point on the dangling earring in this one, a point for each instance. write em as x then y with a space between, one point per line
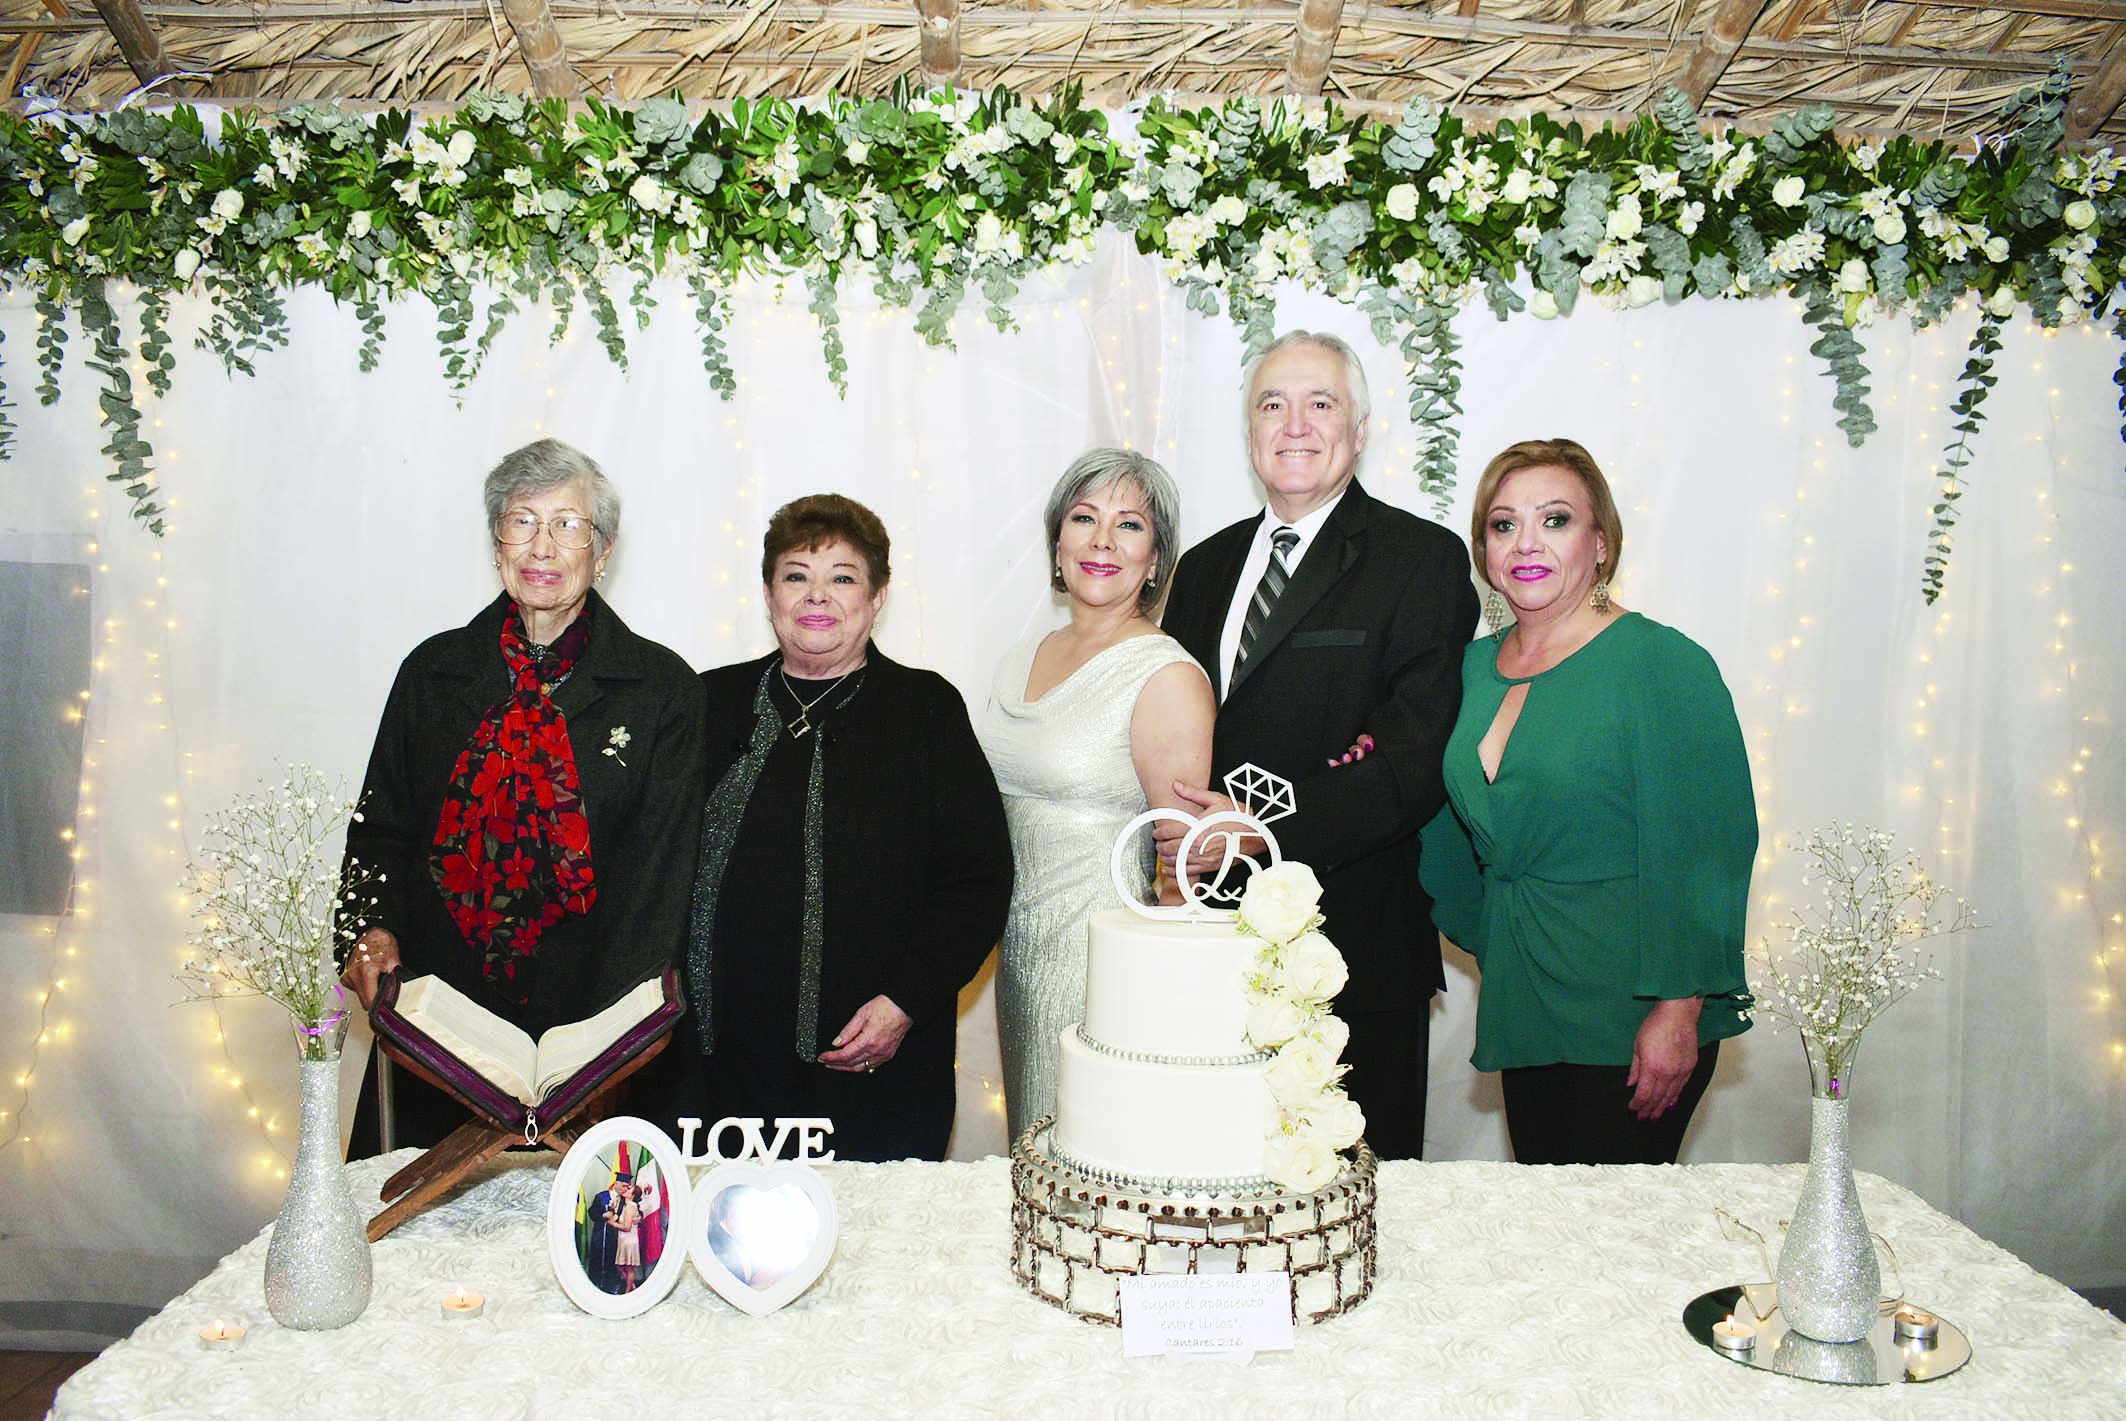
1599 598
1055 578
1495 616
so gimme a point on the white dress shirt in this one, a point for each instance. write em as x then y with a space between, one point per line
1251 573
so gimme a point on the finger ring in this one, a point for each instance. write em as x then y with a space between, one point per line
870 1068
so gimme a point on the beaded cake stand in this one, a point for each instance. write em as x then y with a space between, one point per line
1074 1235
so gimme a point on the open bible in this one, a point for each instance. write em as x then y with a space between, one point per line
500 1071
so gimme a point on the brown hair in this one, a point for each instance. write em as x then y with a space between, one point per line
818 519
1549 454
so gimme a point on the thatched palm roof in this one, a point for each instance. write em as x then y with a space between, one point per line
1940 67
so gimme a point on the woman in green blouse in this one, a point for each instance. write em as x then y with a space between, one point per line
1595 856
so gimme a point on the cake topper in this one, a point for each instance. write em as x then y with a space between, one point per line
1261 797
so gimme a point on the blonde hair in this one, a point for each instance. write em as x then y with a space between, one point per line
1549 454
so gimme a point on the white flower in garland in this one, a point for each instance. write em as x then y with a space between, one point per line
1688 216
1853 276
1228 211
1520 183
1625 219
1661 184
228 204
1789 191
358 223
1642 290
652 196
1402 202
1865 156
2080 215
1735 170
782 167
1790 256
185 264
1330 168
74 231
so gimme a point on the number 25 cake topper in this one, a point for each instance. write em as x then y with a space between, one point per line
1262 797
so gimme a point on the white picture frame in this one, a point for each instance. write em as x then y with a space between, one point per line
591 1161
793 1262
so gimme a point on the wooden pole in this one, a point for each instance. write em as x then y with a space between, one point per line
136 38
539 45
2097 100
941 40
1312 42
1723 37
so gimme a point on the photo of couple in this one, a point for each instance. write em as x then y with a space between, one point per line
620 1229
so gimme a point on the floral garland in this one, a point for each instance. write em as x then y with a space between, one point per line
931 197
1293 979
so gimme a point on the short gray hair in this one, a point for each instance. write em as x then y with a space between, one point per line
548 464
1354 375
1096 469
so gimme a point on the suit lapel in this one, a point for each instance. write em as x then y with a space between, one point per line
1222 573
1336 548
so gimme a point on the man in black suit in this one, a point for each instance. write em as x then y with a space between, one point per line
1355 626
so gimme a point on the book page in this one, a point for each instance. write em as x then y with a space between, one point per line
472 1033
566 1050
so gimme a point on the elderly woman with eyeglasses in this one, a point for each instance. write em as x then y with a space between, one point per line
532 802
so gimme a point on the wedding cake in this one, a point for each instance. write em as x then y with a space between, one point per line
1200 1126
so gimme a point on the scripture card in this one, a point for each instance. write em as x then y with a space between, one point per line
1200 1316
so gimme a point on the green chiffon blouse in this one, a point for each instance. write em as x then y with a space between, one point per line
1609 865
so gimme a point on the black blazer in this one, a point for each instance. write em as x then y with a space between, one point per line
643 813
1368 636
918 859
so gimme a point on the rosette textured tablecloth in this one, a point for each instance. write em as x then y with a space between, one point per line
1503 1291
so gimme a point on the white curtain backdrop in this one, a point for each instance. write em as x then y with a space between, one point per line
323 521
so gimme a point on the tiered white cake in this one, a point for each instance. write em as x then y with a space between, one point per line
1158 1086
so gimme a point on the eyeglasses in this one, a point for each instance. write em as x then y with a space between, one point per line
570 530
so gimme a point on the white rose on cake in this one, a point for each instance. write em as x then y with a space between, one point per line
1272 1021
1334 1121
1279 902
1311 968
1329 1033
1298 1163
1301 1070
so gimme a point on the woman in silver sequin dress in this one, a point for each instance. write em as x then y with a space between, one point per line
1086 727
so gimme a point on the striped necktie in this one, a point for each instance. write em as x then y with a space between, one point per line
1267 591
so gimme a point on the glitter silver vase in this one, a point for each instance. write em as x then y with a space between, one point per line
317 1262
1828 1277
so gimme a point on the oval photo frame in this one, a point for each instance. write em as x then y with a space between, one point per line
564 1246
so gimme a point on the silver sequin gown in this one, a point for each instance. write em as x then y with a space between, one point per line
1063 764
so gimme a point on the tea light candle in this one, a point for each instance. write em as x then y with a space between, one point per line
220 1336
1732 1336
1915 1324
461 1306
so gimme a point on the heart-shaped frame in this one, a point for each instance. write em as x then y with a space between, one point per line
710 1229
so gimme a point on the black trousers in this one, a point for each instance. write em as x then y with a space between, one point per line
1388 1054
1566 1114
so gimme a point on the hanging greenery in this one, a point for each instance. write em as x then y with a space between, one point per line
928 197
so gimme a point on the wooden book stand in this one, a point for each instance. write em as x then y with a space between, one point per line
480 1139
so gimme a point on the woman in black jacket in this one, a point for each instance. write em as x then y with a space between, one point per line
531 802
854 868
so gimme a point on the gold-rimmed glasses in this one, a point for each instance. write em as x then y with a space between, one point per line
570 530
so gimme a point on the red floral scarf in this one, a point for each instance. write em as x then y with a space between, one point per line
512 852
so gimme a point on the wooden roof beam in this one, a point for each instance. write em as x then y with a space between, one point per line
1723 37
1313 41
2094 103
941 40
137 40
539 46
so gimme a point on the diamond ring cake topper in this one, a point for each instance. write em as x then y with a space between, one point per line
1261 797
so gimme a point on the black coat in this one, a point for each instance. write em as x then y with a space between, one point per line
917 882
1368 637
643 813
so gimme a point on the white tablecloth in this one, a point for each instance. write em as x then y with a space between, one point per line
1503 1291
